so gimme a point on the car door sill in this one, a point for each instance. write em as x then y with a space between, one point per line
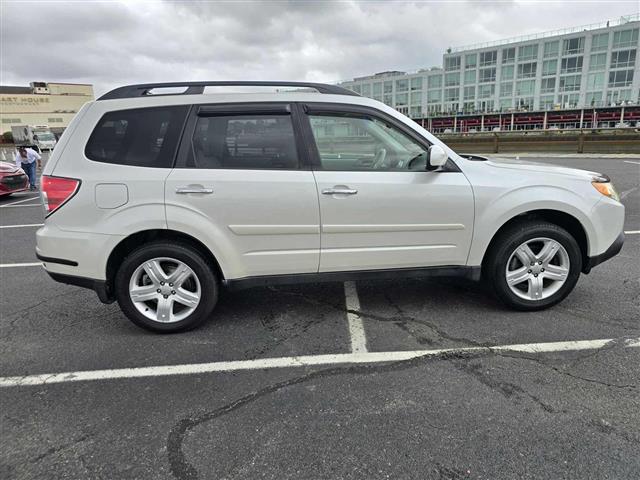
472 273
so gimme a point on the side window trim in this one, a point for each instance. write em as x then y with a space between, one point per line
257 108
338 109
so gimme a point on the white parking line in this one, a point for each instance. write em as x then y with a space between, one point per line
23 226
632 232
18 201
13 265
19 206
356 328
631 161
303 361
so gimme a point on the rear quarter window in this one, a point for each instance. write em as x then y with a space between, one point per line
143 137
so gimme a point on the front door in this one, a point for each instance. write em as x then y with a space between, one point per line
379 207
241 188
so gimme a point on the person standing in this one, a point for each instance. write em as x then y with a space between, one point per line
26 159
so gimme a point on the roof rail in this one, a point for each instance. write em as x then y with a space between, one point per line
196 88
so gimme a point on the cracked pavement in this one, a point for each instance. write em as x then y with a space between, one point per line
482 415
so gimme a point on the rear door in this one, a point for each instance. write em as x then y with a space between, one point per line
242 187
380 208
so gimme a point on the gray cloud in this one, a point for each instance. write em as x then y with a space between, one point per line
111 44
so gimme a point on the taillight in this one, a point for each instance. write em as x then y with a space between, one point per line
56 191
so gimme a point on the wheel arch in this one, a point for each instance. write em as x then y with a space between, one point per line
130 243
557 217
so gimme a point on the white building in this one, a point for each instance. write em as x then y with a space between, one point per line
581 67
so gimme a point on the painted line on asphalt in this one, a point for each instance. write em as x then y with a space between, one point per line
356 328
631 161
19 206
23 226
18 201
303 361
13 265
632 232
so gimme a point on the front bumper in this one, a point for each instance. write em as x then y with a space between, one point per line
612 251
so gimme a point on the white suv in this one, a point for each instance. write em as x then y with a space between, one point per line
158 200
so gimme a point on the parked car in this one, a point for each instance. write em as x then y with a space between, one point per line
160 201
12 179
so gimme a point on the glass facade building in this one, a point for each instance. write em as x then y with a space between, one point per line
583 67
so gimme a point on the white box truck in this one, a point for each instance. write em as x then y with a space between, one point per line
38 136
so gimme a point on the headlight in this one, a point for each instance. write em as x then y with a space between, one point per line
603 184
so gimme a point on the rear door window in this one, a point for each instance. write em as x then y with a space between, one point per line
244 141
144 137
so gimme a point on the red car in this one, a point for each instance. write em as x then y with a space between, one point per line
12 179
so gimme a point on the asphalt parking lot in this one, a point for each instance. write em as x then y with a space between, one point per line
387 379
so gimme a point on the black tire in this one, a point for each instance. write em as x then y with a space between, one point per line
179 251
508 241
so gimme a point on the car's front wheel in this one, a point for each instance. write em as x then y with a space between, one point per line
166 287
534 265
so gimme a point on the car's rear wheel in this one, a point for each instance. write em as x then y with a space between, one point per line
534 265
166 287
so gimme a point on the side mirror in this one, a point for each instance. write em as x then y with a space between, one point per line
437 157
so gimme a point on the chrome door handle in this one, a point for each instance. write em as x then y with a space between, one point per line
339 191
194 190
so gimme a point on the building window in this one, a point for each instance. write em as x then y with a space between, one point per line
488 58
571 46
548 85
434 96
402 85
569 100
509 55
11 120
451 94
388 87
468 107
377 88
507 72
527 52
616 97
524 103
526 87
388 99
487 75
416 98
570 83
551 49
470 61
593 99
452 63
416 112
470 77
451 79
571 65
366 90
485 106
402 99
549 68
435 81
546 103
486 91
416 83
595 81
506 89
506 104
598 61
527 70
623 59
600 42
469 93
625 38
356 88
434 109
55 120
620 78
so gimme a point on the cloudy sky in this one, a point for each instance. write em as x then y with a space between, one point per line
114 43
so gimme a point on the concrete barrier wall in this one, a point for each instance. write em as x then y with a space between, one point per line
563 142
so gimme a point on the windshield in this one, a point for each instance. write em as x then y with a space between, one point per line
46 136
